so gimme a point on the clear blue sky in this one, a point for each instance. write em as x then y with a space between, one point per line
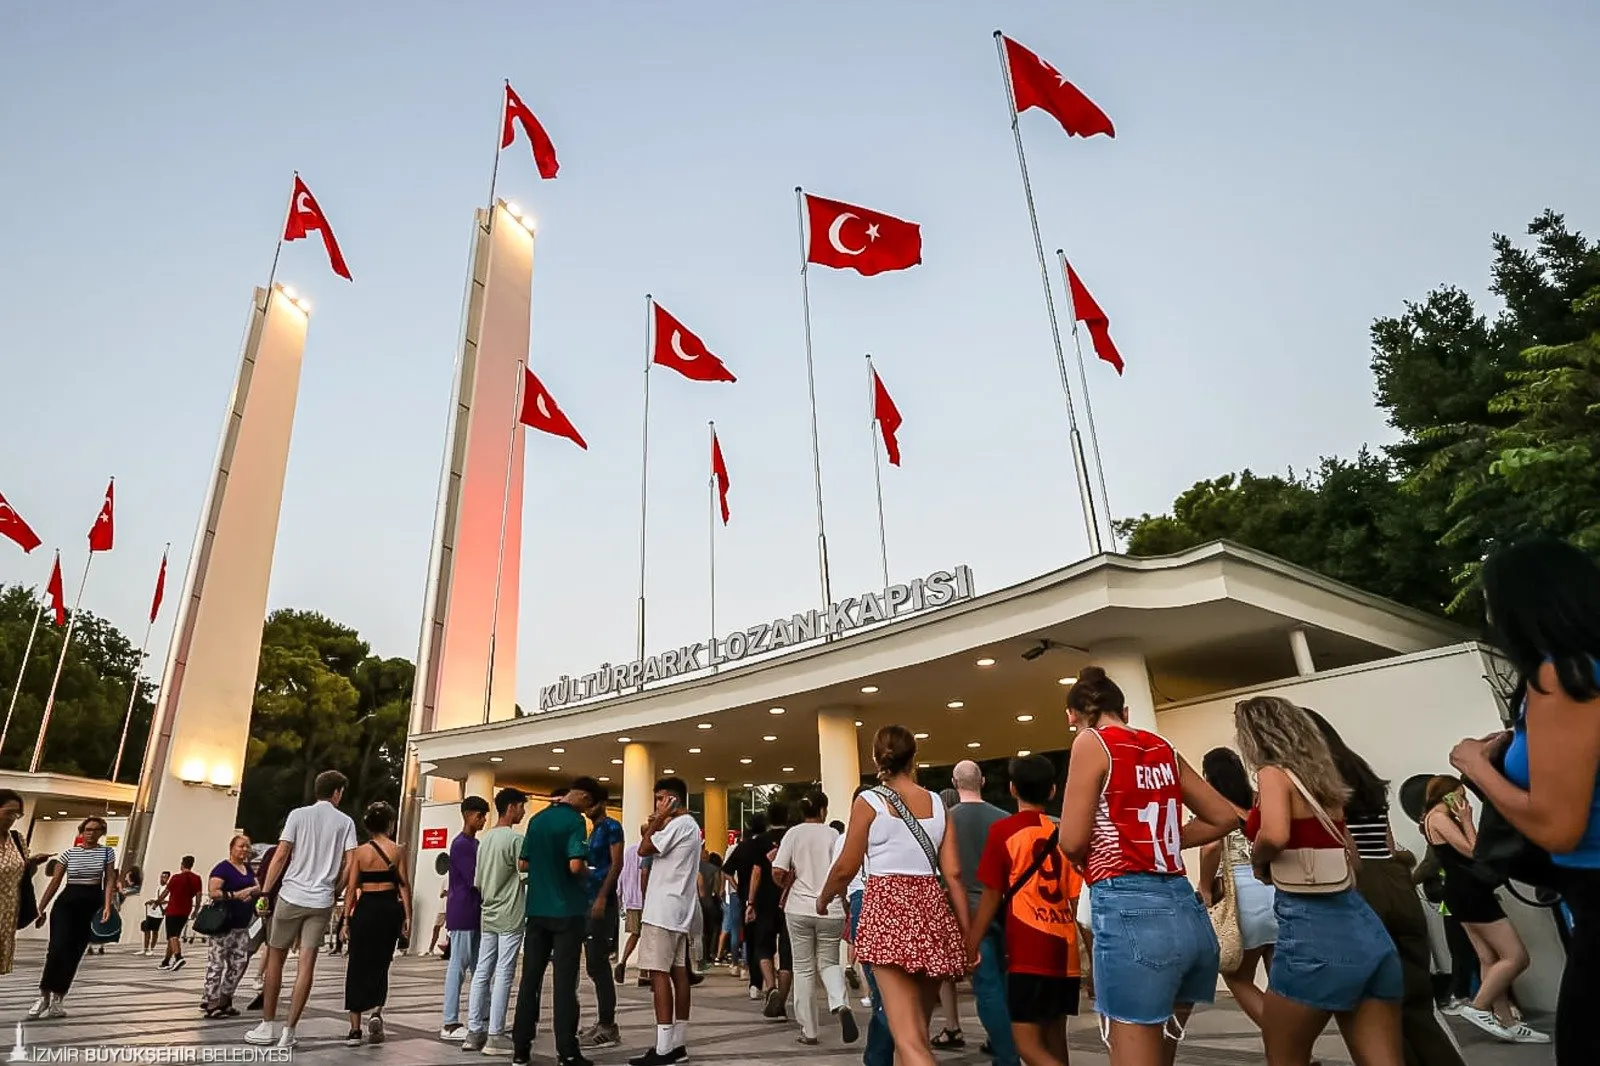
1281 175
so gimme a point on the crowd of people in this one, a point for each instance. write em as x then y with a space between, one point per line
1298 873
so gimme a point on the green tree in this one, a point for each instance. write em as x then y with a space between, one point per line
91 700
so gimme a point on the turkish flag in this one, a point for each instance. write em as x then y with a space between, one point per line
540 411
887 415
544 151
719 470
58 595
12 525
161 588
1085 310
1035 83
103 532
306 215
684 352
853 238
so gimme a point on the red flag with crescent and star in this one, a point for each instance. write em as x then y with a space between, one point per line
161 588
887 415
719 470
103 533
305 215
58 594
12 526
684 352
518 114
1035 83
854 238
540 411
1085 310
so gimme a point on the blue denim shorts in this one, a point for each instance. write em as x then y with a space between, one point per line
1153 947
1333 952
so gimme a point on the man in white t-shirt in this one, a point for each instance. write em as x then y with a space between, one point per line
671 840
313 848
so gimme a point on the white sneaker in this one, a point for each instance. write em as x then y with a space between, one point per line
755 993
1523 1033
287 1039
1453 1008
265 1034
56 1009
1486 1021
40 1005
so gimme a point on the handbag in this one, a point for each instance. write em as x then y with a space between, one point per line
1224 915
1503 854
1315 871
27 901
212 919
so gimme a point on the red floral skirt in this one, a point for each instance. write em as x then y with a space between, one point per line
907 923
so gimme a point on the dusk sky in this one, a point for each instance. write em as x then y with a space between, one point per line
1281 175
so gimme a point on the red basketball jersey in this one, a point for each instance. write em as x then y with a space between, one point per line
1140 817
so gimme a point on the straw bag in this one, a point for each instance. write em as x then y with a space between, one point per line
1315 871
1224 916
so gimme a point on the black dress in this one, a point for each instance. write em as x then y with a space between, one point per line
1468 897
375 925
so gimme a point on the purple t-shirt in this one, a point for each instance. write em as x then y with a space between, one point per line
463 906
240 911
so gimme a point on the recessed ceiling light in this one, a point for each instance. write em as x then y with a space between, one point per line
694 751
496 758
748 784
955 705
553 769
558 751
986 661
774 710
788 769
1067 681
921 736
1072 729
602 779
769 738
703 725
974 744
616 762
1024 753
922 766
869 689
62 813
624 740
710 779
746 761
1024 717
669 770
46 817
858 723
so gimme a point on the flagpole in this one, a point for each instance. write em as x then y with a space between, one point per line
877 467
277 251
1085 493
500 557
66 641
644 468
127 719
1088 406
22 670
711 495
494 173
811 386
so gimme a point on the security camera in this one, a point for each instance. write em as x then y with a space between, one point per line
1044 646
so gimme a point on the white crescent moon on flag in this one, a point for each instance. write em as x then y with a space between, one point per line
300 205
538 401
677 347
833 235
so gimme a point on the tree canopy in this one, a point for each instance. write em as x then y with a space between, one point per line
1499 438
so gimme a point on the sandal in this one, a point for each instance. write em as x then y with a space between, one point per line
949 1040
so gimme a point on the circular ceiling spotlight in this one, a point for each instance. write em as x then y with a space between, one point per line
703 725
1067 681
1024 753
920 736
974 744
955 705
624 740
774 710
553 769
1024 717
869 689
746 761
788 769
769 738
558 751
496 758
986 661
616 762
602 779
694 751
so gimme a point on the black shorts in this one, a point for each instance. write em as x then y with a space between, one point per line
176 924
785 949
150 925
1035 1000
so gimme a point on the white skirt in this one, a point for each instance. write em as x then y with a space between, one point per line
1258 925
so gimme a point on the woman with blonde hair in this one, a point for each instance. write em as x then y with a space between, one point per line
232 887
1333 957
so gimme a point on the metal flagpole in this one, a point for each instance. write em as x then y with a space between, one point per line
500 559
1085 494
711 484
877 467
644 466
811 386
22 670
1088 407
499 135
127 718
276 252
66 641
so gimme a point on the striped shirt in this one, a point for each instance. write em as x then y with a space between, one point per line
1371 835
86 866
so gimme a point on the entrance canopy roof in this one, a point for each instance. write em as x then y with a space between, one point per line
982 678
65 797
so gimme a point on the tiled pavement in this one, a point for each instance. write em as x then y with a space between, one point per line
121 999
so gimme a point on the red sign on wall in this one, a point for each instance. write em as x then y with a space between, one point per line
434 838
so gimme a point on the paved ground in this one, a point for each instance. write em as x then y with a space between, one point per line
121 999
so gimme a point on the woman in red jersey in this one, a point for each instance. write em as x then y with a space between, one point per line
1155 953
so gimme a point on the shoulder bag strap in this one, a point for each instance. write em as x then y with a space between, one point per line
1039 859
892 798
1322 816
373 844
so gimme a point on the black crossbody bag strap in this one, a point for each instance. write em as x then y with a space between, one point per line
1038 863
919 834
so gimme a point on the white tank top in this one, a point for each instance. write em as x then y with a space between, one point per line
891 849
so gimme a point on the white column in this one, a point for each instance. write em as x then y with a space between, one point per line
1123 661
1304 665
839 751
714 802
638 788
481 783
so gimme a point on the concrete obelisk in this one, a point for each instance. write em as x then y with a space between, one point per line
189 788
477 535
